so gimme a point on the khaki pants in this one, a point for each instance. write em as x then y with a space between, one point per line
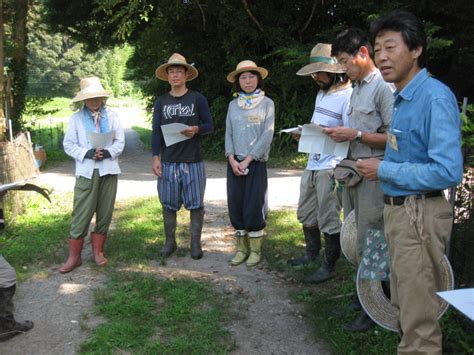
7 274
96 195
318 204
366 198
416 254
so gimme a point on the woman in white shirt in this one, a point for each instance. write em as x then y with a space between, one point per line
94 139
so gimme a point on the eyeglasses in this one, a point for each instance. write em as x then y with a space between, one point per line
314 75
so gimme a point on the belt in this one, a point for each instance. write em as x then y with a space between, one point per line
400 200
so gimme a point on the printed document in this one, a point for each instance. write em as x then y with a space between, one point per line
462 299
101 140
314 140
172 133
294 130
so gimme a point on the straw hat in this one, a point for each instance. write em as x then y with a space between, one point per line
349 238
377 305
176 59
246 65
90 88
320 60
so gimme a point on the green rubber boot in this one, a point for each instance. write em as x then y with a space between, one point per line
243 248
255 251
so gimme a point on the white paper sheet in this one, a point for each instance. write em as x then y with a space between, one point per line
101 140
294 130
462 300
172 133
314 140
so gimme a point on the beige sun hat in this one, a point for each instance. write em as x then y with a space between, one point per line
176 59
377 305
90 88
246 65
349 238
320 60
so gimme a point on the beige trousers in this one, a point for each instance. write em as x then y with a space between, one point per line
366 198
318 204
418 233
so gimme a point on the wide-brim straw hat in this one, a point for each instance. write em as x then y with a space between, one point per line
90 88
176 59
377 305
320 60
244 66
349 238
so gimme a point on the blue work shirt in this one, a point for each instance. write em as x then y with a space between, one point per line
426 155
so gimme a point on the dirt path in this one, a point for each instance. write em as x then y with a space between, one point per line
60 305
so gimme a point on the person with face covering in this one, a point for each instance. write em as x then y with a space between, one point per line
249 132
97 169
319 208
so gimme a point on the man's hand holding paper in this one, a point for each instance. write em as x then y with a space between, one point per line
314 140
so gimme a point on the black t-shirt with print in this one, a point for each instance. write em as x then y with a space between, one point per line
190 109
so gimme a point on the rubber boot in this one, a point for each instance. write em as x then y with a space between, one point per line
312 238
243 248
169 222
97 243
362 323
9 327
331 253
255 242
74 260
197 220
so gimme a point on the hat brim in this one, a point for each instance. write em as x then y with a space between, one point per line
349 238
162 74
231 76
89 95
317 67
377 305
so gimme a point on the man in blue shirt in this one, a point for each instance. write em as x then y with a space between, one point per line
422 157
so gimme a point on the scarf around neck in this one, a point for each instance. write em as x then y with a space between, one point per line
249 101
96 121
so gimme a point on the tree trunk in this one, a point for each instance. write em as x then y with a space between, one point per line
19 57
2 73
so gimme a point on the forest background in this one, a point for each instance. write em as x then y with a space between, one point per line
47 45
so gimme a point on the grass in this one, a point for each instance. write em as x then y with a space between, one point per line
146 315
33 239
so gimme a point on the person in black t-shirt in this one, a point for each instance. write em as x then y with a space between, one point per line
179 165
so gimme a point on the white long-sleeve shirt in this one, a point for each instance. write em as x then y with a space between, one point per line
76 146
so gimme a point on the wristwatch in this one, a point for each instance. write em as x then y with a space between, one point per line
358 137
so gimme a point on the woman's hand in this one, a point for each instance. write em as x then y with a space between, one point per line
236 166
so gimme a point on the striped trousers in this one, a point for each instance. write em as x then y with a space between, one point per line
182 183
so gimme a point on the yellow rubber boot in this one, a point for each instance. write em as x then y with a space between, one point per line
243 248
255 250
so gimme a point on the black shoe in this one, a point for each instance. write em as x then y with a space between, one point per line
303 261
196 251
345 310
363 323
324 273
169 248
15 329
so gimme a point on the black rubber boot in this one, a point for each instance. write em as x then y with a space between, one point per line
9 327
169 222
312 238
363 323
197 220
332 252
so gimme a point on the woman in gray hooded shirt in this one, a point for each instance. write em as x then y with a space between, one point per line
249 132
